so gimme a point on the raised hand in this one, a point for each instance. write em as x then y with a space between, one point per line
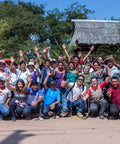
36 49
48 48
7 76
109 94
63 46
44 50
79 54
12 59
92 48
20 53
29 79
48 72
36 66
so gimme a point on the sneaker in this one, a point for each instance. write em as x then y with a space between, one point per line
101 117
57 117
28 117
80 115
64 114
40 118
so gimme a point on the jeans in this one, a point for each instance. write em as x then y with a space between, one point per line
114 109
57 109
29 108
4 111
79 103
101 107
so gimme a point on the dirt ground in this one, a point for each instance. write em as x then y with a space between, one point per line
60 131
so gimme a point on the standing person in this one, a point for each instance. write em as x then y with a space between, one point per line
17 104
71 73
95 94
5 97
43 68
51 98
114 93
74 98
34 101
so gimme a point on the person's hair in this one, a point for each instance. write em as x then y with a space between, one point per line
34 83
47 60
81 76
22 62
61 63
93 78
115 77
71 63
16 86
96 62
15 64
86 66
75 56
79 64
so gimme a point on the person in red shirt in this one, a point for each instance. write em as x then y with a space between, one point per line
96 97
114 93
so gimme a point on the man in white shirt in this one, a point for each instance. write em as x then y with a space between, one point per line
74 97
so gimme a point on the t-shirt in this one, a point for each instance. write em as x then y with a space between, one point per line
51 96
76 92
4 94
2 74
23 75
33 96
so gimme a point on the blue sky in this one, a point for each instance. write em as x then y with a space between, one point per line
103 8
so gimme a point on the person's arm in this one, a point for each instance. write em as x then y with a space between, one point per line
48 53
27 85
21 56
87 55
44 53
12 60
37 71
38 56
45 81
84 97
64 47
65 65
11 88
7 102
109 76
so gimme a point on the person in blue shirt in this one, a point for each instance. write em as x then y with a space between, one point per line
51 97
34 101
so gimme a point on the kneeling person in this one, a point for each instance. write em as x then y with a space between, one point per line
5 97
34 101
51 97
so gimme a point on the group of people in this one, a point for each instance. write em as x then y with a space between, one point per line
80 87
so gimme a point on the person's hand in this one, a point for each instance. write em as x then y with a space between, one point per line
64 57
2 52
63 46
20 53
7 77
52 106
29 79
34 104
109 73
48 48
6 105
36 66
44 50
83 97
92 48
71 57
12 59
79 54
109 94
36 49
48 72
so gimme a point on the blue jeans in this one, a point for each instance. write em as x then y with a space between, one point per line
79 103
4 111
57 109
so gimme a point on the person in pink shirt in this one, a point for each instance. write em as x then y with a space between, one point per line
114 93
96 97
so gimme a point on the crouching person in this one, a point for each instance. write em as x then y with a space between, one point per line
114 93
5 97
95 93
74 98
51 98
34 102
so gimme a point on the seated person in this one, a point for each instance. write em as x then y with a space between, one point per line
34 101
74 98
95 94
114 93
5 96
51 97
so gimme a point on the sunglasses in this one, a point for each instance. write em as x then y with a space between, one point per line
80 79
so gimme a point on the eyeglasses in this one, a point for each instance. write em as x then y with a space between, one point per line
80 79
